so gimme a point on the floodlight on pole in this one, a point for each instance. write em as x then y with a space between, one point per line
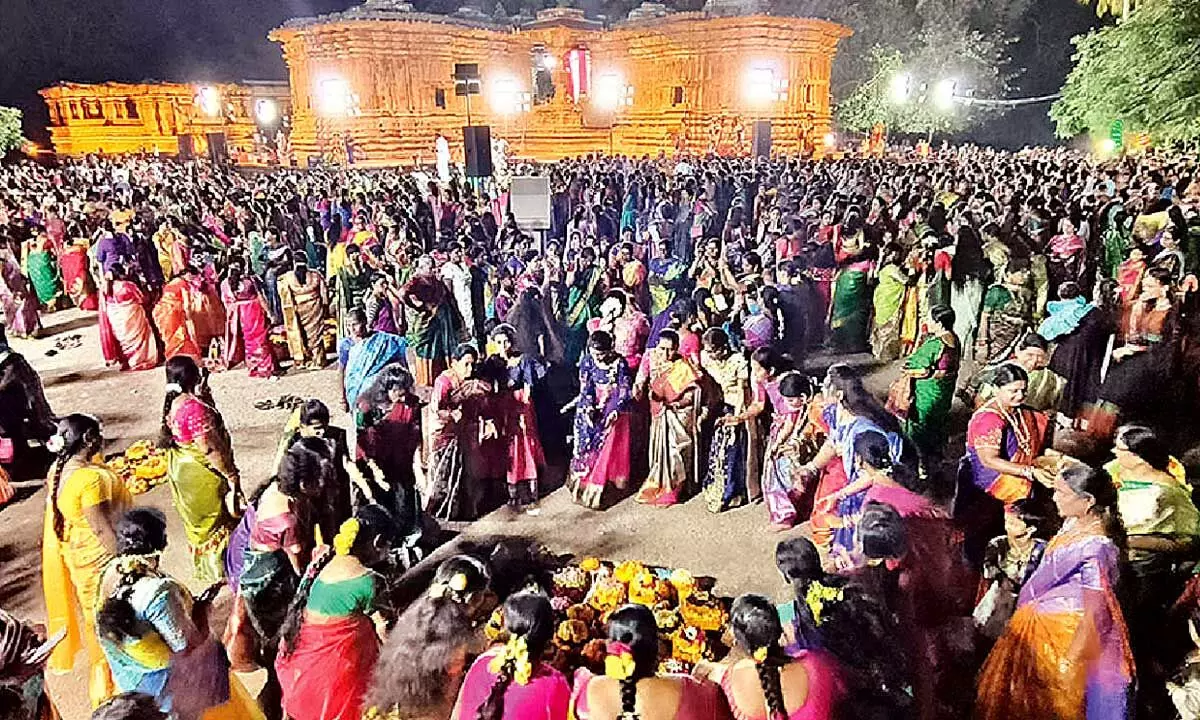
611 92
943 94
208 99
266 111
334 98
901 87
507 97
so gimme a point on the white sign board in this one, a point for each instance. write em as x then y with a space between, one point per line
529 200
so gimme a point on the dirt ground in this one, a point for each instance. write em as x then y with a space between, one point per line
735 547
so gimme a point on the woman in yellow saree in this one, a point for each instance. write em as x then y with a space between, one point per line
204 480
85 499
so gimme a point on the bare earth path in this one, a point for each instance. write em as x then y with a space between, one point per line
734 547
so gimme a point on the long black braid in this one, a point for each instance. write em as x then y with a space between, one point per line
629 699
72 431
289 630
772 687
527 616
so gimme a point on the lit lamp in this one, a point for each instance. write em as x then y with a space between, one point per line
334 98
830 140
266 111
760 85
208 99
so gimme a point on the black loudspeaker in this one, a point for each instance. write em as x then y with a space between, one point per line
762 138
218 151
187 147
477 144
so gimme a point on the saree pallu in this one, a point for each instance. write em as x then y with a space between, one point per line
966 299
327 674
1025 678
672 455
608 463
123 318
198 491
247 336
728 455
448 478
848 316
174 325
888 300
928 418
302 307
824 518
844 550
431 341
43 273
782 481
77 279
71 584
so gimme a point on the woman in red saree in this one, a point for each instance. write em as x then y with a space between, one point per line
328 644
126 336
189 316
78 281
247 329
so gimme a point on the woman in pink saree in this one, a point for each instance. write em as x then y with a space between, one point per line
126 336
247 329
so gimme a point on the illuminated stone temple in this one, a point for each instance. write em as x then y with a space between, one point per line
166 118
375 82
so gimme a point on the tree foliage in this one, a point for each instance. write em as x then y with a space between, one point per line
1145 71
10 130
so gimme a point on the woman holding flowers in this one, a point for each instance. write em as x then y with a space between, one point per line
511 681
630 687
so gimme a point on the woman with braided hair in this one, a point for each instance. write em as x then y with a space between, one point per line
630 689
84 500
426 654
155 634
770 685
511 681
327 644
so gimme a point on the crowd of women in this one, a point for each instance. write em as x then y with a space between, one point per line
653 345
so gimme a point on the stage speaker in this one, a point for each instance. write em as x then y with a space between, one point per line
187 147
762 138
218 151
477 144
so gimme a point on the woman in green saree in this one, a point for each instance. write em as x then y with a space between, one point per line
934 370
583 303
850 312
204 480
889 305
42 268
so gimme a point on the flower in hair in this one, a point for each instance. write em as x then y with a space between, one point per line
346 536
459 582
56 444
515 653
619 664
818 596
760 655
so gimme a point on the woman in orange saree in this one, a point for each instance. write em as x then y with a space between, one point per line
189 316
76 277
1065 653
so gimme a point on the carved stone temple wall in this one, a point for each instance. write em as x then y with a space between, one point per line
375 82
119 118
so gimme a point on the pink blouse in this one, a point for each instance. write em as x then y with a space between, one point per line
546 697
698 701
825 689
192 419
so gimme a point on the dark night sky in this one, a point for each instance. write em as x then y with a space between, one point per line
46 41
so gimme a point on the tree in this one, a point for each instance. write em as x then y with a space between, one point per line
970 59
1145 71
10 130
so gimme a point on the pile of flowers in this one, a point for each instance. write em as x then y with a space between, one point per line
691 621
142 467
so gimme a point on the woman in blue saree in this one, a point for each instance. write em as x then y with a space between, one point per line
364 354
